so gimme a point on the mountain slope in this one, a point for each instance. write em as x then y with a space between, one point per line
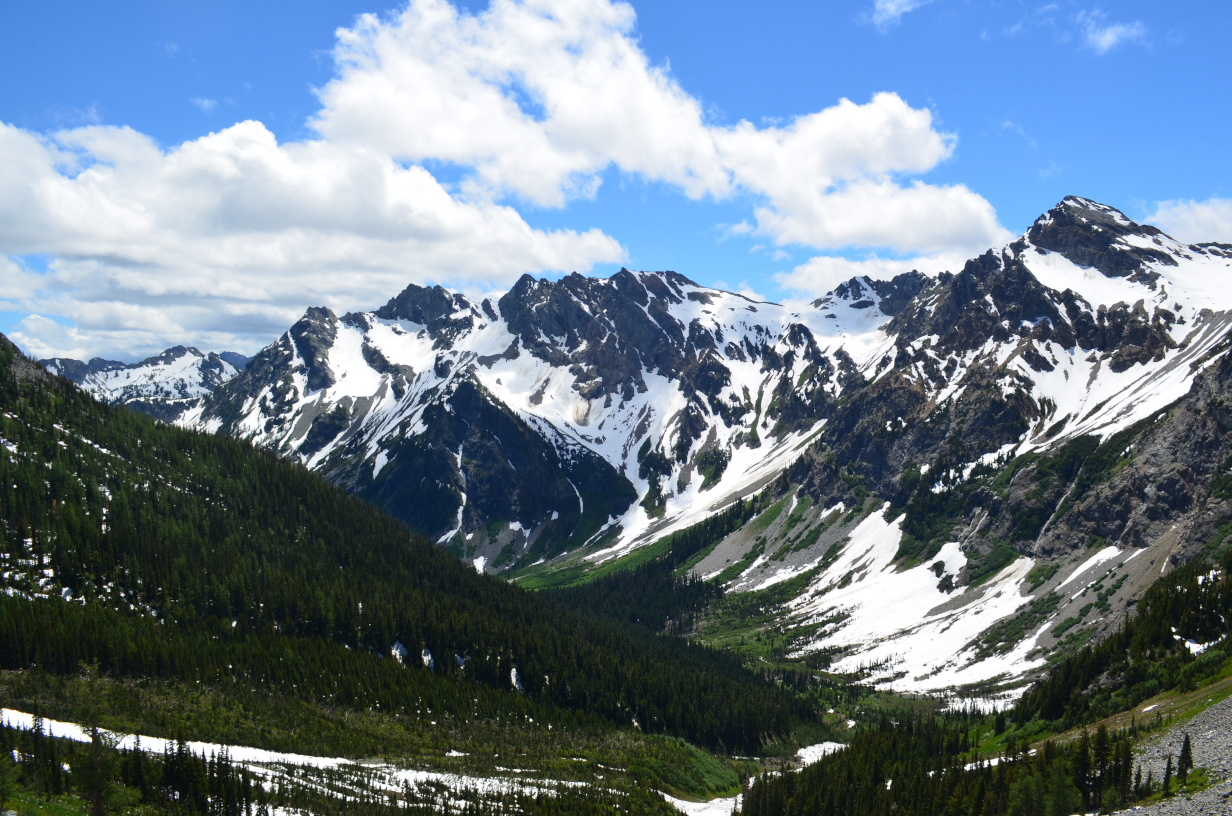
690 396
644 386
1036 453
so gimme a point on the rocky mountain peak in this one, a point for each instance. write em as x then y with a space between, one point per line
443 313
858 290
1102 237
897 292
606 331
76 371
163 385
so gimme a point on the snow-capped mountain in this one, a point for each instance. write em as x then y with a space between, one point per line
563 424
1036 439
164 385
556 414
640 403
958 461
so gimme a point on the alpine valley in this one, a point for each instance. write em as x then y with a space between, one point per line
963 468
959 486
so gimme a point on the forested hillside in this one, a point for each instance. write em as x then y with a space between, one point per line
163 553
922 768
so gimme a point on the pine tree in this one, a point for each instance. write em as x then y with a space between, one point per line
1082 767
1063 796
1185 762
8 772
1101 749
53 774
1168 776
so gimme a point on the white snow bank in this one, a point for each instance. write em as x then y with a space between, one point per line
715 807
76 733
1106 554
811 753
1194 647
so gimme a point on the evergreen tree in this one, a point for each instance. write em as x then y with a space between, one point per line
1185 762
53 774
1168 777
1082 767
1063 795
1101 755
1027 796
8 776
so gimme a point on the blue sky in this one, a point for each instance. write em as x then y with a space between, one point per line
465 145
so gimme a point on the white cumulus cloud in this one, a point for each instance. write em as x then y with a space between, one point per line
538 98
820 275
223 240
1195 221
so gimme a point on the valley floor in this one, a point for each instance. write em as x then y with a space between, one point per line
353 778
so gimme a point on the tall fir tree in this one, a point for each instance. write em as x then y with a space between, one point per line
1185 762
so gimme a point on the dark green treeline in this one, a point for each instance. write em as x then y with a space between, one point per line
918 768
652 594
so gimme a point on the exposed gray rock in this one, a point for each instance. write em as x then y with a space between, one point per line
1210 734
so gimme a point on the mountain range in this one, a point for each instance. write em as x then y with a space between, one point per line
163 386
957 470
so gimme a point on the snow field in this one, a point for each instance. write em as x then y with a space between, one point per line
898 623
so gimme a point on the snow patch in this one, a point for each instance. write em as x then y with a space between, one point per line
1106 554
715 807
811 753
